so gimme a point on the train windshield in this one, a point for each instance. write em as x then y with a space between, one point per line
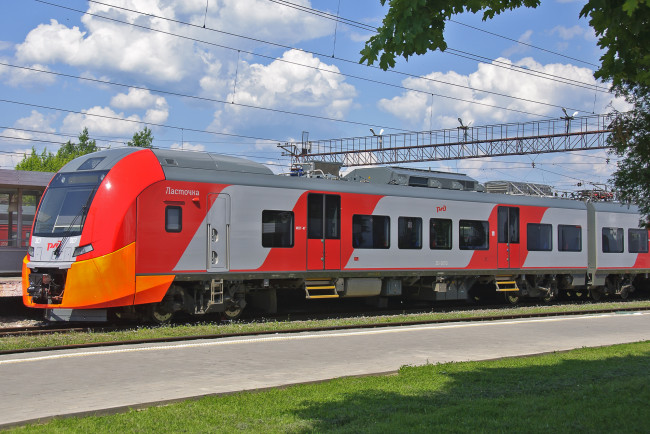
65 204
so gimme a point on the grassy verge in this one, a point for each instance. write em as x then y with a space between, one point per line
18 342
586 390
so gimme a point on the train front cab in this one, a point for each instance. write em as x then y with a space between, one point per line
81 259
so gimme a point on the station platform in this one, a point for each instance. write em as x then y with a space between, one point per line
10 287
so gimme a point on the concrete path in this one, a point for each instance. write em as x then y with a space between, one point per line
43 385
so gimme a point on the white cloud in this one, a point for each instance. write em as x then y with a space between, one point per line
417 110
262 19
136 98
519 48
265 145
360 37
35 126
568 33
4 45
25 133
112 47
283 85
101 120
187 146
25 77
157 107
9 160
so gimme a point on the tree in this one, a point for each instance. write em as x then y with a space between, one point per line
48 162
413 27
45 162
142 139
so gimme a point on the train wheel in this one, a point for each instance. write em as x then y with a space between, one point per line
625 293
595 295
512 298
549 297
232 313
158 313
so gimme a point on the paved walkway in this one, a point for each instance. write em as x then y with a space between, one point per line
44 385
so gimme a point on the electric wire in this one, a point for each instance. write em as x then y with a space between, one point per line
318 68
140 122
523 70
201 98
523 43
370 28
374 30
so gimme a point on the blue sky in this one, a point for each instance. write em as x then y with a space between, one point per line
196 88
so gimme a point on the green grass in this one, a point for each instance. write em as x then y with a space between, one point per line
587 390
18 342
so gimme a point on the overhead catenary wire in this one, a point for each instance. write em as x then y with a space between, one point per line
545 76
424 78
374 30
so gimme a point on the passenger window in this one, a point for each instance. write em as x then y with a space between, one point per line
440 234
173 219
370 232
409 233
277 228
569 238
539 237
612 240
637 240
473 235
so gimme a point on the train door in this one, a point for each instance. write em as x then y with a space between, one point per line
218 227
323 232
508 237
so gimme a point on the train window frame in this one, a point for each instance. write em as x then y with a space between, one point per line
282 239
169 224
634 246
468 224
612 243
539 245
561 229
434 240
409 238
379 231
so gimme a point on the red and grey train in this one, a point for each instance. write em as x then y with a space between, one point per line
153 232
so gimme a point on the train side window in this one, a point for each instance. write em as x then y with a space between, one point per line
277 228
409 233
539 237
440 234
473 235
370 232
173 219
637 241
613 240
569 238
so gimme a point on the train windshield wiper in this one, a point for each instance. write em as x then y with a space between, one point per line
83 213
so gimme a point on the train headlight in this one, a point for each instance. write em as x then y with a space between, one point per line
30 251
83 249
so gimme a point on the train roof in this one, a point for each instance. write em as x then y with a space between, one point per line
213 168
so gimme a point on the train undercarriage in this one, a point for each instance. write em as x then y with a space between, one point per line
229 298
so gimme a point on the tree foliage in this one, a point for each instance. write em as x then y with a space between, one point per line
417 26
142 139
413 27
49 162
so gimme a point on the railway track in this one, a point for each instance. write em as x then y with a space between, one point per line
40 330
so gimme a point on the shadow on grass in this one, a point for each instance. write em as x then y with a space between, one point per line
558 393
